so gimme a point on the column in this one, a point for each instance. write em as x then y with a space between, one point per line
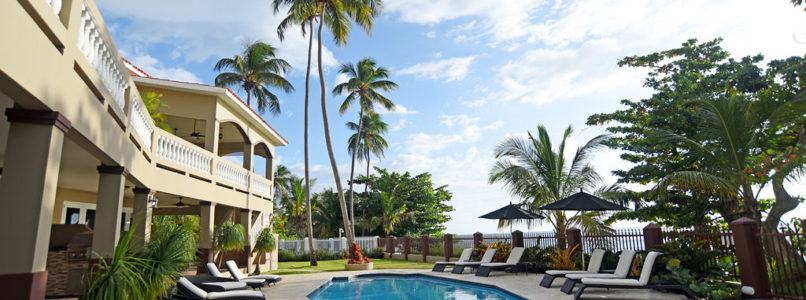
406 247
141 219
206 227
424 246
248 156
211 135
246 256
517 238
108 208
574 236
27 195
653 236
478 238
750 256
448 247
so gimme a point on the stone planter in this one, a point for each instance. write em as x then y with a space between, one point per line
358 267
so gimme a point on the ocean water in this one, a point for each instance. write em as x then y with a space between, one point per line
389 287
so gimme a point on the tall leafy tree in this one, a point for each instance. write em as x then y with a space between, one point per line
700 91
254 71
326 213
364 85
302 13
369 140
534 171
154 105
339 15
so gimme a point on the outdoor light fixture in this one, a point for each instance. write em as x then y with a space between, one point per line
152 201
180 204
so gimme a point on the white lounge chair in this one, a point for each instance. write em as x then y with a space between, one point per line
440 265
622 270
512 261
212 269
236 273
641 283
459 267
593 267
189 291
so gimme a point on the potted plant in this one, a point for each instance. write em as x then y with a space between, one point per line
358 261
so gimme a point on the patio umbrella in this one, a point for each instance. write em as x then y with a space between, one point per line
512 212
583 202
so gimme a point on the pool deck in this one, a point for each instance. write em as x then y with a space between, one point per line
298 286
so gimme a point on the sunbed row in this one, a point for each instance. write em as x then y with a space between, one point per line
219 287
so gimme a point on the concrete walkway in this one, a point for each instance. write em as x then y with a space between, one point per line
298 286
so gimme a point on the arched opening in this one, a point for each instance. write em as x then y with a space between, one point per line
234 144
263 160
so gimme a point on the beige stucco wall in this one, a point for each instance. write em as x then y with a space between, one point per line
63 194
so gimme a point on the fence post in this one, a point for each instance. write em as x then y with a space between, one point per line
574 237
477 239
424 246
653 236
750 256
406 247
517 238
448 247
390 245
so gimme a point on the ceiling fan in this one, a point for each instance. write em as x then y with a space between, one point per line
196 134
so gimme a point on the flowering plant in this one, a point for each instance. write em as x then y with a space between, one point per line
357 257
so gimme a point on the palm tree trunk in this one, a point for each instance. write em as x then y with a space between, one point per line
307 174
348 232
366 185
248 97
352 167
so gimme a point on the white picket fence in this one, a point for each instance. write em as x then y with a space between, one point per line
334 245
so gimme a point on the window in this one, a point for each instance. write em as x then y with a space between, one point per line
84 213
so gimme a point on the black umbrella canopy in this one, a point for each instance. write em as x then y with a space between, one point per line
583 202
511 212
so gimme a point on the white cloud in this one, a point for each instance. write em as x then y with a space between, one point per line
399 109
437 54
431 34
341 78
157 69
199 30
449 69
401 123
504 20
467 126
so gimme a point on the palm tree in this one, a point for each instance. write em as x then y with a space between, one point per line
326 212
369 141
339 15
391 211
532 170
363 85
228 237
295 204
302 12
282 182
254 71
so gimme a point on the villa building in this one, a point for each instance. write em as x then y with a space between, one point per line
77 146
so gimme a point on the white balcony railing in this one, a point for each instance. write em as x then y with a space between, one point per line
56 5
140 122
261 185
232 173
183 153
103 57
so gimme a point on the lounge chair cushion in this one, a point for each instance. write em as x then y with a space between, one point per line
468 263
488 257
191 288
236 273
240 295
515 255
592 275
222 286
613 282
566 272
462 258
622 269
497 265
212 269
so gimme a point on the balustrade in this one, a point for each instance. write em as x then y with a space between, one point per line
140 122
103 57
261 185
230 172
56 5
187 155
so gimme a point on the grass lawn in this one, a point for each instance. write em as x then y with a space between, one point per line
303 267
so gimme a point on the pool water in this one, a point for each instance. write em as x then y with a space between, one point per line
405 287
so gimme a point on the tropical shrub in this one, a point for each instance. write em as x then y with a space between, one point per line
322 254
539 257
357 255
265 243
171 251
502 251
564 259
698 256
118 277
478 252
708 289
228 237
285 255
375 253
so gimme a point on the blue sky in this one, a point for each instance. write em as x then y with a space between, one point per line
471 72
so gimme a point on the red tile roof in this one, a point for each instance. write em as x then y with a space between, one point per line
131 72
207 85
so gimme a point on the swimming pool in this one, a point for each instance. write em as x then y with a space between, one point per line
371 287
